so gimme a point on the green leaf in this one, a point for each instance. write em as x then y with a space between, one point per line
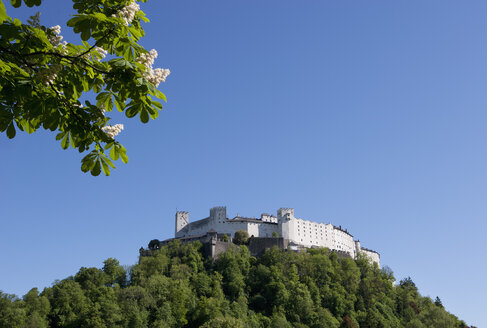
11 131
19 126
132 111
144 116
123 154
114 153
31 3
160 95
102 97
28 127
3 13
74 21
85 166
109 145
65 141
85 84
105 167
85 35
120 106
109 162
96 170
60 135
89 161
156 104
73 144
16 3
109 103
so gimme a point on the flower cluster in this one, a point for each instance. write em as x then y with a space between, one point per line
101 51
157 76
147 59
112 131
55 36
154 76
47 76
128 12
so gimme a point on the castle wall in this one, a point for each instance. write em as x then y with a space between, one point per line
310 233
374 256
266 230
230 227
343 241
257 246
182 219
214 248
199 227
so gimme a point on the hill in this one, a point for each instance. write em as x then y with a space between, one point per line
178 287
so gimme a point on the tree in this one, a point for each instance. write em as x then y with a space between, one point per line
241 237
115 272
154 244
438 302
44 79
275 234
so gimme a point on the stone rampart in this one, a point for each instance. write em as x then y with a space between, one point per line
257 246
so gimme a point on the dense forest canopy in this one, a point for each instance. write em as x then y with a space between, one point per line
178 287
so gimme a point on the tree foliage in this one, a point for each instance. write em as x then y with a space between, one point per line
47 83
241 237
177 287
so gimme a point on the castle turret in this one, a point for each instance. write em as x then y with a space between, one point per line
358 248
182 220
285 213
284 221
218 213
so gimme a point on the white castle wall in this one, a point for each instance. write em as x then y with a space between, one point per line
182 219
343 241
374 256
308 233
286 225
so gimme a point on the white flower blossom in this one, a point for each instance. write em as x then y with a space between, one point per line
157 76
154 76
128 12
47 76
101 51
56 29
112 130
55 39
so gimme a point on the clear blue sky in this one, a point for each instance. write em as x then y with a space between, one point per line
367 114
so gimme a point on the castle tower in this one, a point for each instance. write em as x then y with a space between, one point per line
218 213
285 217
358 247
285 213
182 219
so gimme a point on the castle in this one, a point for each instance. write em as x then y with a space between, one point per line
293 232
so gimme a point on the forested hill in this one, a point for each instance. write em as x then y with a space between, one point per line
178 287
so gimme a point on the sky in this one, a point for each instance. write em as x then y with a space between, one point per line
366 114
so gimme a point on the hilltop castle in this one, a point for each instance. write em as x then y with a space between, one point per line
291 232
